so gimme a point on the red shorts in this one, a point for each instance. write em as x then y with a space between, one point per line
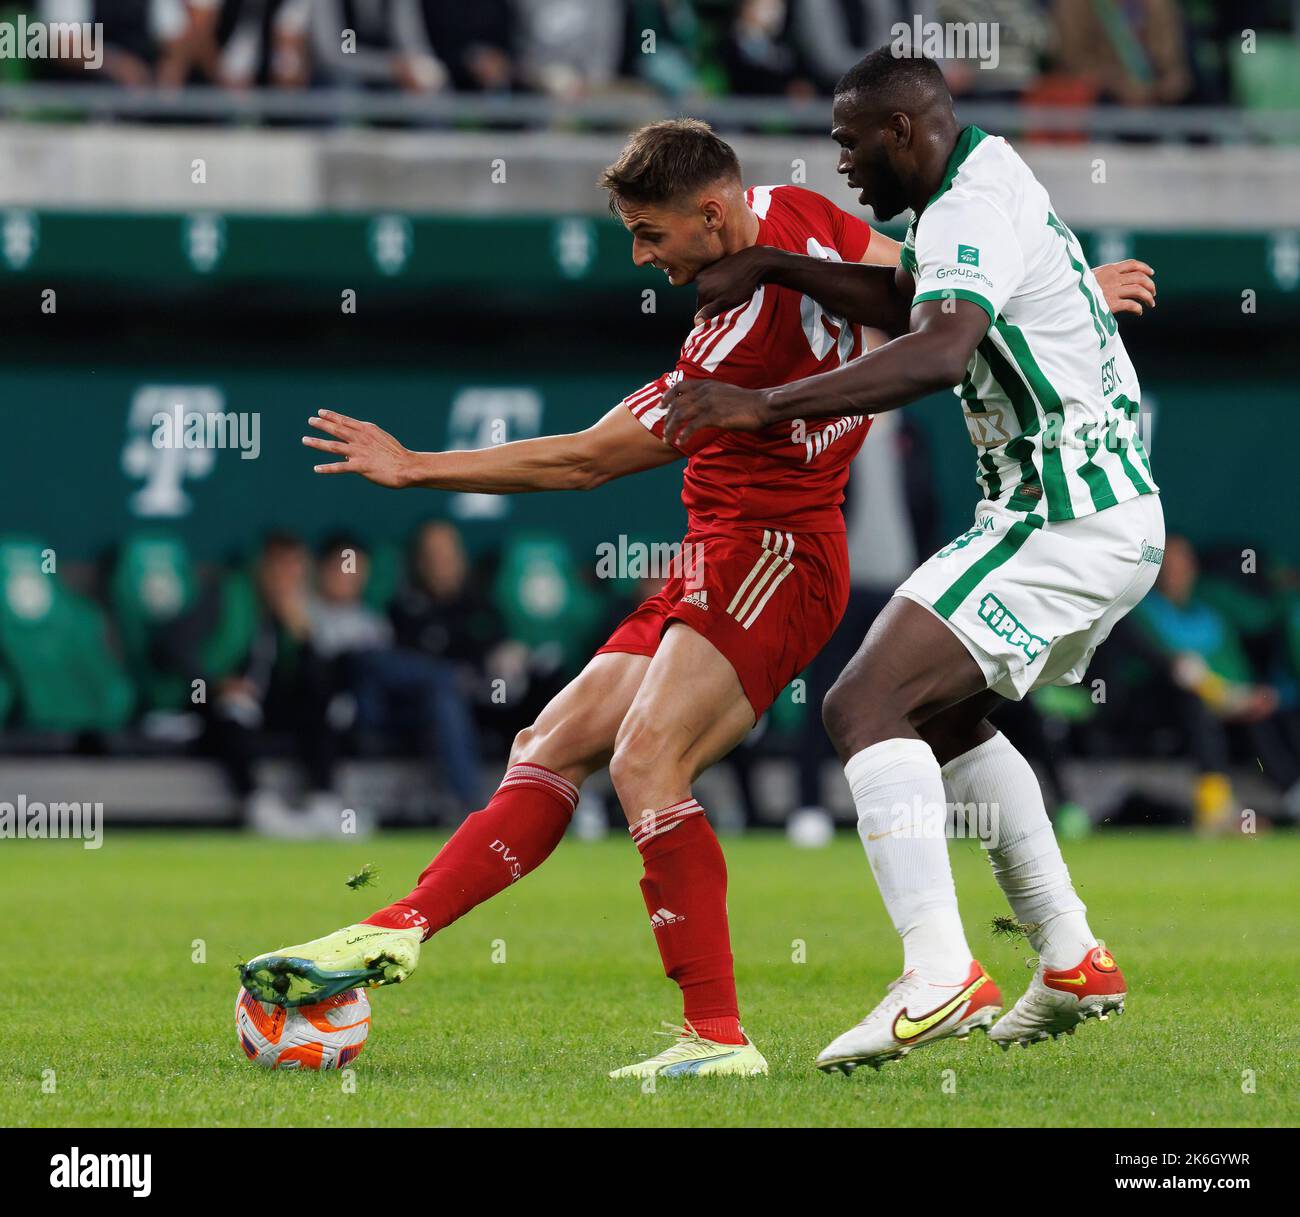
769 601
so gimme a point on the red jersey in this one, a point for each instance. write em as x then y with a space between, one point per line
790 476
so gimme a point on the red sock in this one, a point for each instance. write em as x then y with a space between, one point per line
685 890
512 836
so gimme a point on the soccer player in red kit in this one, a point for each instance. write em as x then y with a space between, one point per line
761 585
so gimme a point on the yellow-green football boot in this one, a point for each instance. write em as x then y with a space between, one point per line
357 956
690 1053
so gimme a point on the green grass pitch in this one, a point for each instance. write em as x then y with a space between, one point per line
115 1024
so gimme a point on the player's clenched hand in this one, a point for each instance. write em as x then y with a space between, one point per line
1127 286
365 449
729 282
694 405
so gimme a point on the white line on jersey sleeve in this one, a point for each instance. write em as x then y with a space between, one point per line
739 330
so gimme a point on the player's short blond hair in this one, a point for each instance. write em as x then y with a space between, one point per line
667 161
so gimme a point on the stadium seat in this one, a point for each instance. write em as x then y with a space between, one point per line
55 648
386 564
1270 78
787 714
1057 89
227 646
541 600
152 584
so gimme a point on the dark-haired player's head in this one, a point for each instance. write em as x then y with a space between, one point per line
677 188
890 111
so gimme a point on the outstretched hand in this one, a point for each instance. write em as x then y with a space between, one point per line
696 405
365 449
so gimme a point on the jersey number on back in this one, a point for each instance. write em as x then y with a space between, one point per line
817 322
1102 320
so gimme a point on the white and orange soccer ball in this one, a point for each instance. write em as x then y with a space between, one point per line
327 1035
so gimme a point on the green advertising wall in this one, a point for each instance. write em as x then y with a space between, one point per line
81 470
542 323
564 257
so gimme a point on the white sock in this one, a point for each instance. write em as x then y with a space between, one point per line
1026 859
898 791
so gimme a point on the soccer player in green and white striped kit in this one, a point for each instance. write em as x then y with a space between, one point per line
993 295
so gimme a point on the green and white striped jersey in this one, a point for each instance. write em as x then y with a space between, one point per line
1050 395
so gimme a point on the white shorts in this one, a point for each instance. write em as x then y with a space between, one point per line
1033 601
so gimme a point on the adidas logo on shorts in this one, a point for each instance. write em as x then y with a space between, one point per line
699 599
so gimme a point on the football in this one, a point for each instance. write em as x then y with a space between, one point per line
327 1035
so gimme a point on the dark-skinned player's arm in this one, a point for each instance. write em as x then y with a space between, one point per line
932 356
614 447
877 295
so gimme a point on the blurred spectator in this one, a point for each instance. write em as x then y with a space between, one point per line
1213 34
661 40
832 35
1208 685
375 44
1024 35
238 43
1134 51
757 54
281 684
396 692
1131 52
145 42
569 48
442 611
472 40
341 624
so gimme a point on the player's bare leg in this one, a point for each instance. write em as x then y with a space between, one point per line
1074 978
574 735
909 667
955 730
689 711
494 848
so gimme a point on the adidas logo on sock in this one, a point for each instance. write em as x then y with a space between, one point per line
699 599
664 917
395 917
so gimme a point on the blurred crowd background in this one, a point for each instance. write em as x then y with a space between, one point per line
1073 52
192 637
353 649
